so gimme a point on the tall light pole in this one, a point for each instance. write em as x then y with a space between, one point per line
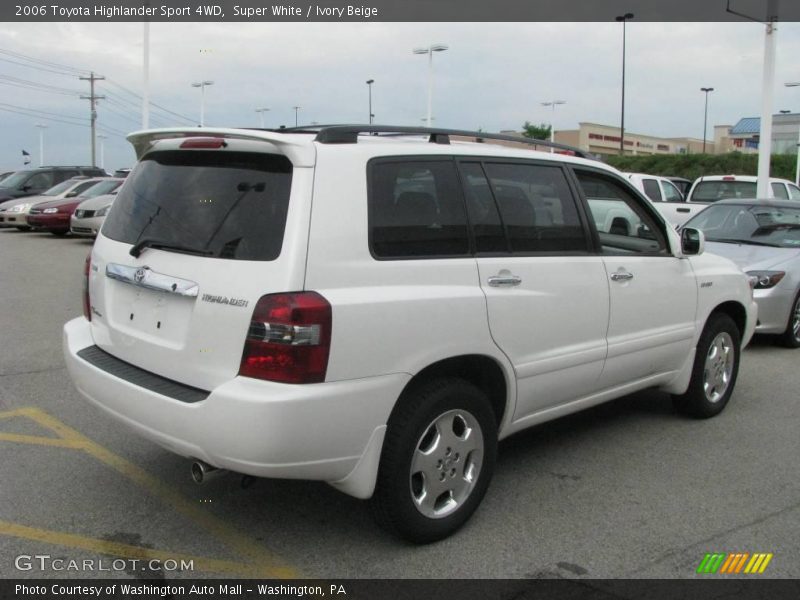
261 112
202 85
554 103
296 108
705 118
429 51
369 85
797 169
146 76
102 139
41 128
623 19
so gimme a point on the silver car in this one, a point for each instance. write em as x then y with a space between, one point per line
763 238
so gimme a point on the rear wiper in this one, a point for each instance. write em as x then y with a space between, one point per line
737 241
137 248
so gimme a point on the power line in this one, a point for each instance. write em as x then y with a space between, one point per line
35 84
43 112
39 61
139 97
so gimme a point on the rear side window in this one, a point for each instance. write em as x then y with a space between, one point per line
416 209
794 192
651 189
227 204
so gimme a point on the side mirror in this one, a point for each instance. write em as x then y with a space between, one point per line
71 195
693 241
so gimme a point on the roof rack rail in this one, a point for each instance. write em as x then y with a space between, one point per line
348 134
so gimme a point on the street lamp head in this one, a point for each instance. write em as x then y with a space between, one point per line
439 47
262 110
370 81
792 84
706 90
785 112
625 17
420 51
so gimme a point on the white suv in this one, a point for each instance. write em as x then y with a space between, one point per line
375 307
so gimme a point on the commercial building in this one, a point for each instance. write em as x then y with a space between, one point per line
605 139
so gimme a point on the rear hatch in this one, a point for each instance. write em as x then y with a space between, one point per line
195 238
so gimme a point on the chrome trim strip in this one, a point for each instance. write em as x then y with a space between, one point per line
147 278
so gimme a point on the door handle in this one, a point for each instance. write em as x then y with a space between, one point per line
504 280
621 276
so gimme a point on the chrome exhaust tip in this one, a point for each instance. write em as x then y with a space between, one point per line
202 472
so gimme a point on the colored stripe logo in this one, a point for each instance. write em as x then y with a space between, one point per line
734 563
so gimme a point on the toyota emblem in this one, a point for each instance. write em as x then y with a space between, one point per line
138 277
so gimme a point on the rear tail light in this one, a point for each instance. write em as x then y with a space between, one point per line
87 306
289 339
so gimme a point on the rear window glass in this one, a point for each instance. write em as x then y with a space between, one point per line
228 204
651 189
416 209
711 191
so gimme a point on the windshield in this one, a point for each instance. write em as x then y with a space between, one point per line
226 204
102 187
711 191
61 187
750 224
15 180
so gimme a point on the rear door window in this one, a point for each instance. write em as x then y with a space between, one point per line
224 204
416 209
794 192
652 190
536 207
779 191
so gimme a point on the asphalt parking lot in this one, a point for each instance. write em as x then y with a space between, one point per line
628 489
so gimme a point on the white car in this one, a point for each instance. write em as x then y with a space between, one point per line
375 307
655 187
88 218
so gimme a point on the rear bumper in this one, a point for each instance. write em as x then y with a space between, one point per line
266 429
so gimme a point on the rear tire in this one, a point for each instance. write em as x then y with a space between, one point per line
437 460
22 228
716 365
791 337
59 233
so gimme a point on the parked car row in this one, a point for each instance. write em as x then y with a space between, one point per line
58 209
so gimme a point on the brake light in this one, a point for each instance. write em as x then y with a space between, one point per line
87 306
289 339
204 142
729 178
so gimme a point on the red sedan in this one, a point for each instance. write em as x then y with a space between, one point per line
54 216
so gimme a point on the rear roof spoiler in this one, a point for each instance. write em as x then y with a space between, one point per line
300 151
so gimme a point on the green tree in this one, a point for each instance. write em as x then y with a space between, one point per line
536 132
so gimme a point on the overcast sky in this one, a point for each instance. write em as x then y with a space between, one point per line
494 76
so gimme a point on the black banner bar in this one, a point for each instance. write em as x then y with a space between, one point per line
738 588
396 10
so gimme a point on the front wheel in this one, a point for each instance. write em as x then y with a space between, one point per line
716 365
791 337
437 460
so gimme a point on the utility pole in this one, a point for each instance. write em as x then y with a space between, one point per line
93 98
